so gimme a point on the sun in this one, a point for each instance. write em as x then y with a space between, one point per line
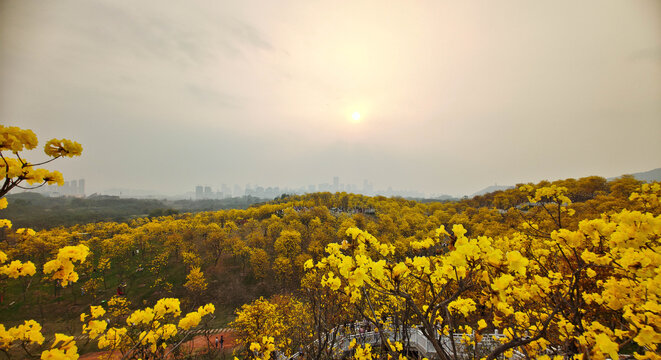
355 116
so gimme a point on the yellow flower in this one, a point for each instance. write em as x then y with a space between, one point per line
385 249
97 311
95 328
591 273
606 345
332 282
63 342
167 306
62 267
5 223
400 269
352 344
15 139
145 316
166 331
501 283
517 262
481 324
308 264
463 306
648 337
358 277
422 263
112 338
458 230
17 268
206 309
58 354
64 147
378 269
191 320
29 331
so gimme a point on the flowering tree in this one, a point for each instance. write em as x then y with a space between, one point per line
151 333
586 292
15 170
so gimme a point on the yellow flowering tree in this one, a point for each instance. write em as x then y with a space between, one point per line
15 170
150 333
264 326
587 291
196 284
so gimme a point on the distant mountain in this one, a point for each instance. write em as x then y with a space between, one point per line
492 188
648 176
433 198
445 197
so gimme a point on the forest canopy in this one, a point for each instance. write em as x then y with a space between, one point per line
564 268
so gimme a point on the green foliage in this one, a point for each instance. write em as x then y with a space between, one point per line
36 211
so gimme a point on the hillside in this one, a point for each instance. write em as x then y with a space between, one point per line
647 176
490 189
36 211
261 257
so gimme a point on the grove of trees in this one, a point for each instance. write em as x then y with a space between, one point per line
563 268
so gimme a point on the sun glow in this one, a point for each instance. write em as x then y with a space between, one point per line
355 116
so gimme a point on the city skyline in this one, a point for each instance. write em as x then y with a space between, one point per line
272 191
224 191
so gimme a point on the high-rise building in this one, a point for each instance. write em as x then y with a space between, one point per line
226 190
75 188
199 192
336 183
368 188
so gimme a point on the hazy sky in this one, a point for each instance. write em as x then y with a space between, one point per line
454 96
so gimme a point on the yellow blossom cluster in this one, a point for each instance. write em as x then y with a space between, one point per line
15 139
551 193
62 266
118 306
29 332
63 348
14 169
64 147
262 350
649 195
16 268
19 171
112 339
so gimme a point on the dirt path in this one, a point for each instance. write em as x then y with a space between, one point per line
199 343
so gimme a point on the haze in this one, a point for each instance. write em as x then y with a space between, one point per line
452 96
